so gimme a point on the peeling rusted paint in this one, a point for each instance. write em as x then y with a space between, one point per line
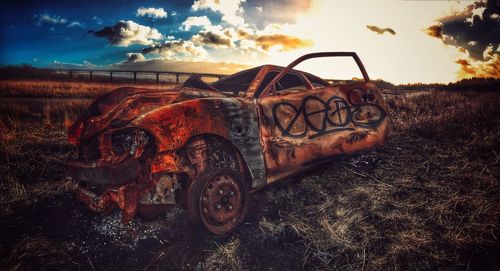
260 123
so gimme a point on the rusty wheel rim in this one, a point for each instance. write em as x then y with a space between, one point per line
221 203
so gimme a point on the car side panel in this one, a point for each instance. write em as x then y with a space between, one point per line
300 129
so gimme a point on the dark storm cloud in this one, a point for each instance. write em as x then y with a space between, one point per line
380 30
471 29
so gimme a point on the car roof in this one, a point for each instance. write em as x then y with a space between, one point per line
241 80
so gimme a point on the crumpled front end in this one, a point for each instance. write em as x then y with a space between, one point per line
110 172
112 167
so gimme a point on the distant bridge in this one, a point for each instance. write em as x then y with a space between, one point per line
128 74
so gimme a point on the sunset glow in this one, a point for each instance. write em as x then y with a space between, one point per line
399 41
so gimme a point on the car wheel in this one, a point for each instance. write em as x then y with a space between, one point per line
218 199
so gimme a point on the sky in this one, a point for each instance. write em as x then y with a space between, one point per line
401 41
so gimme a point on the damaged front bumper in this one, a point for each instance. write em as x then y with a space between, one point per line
105 174
117 180
125 197
105 185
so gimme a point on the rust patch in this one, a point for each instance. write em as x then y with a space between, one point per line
355 137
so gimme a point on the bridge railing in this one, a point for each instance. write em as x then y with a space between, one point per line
134 75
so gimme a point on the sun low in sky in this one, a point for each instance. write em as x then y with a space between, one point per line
401 41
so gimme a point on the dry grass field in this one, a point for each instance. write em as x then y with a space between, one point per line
427 200
61 89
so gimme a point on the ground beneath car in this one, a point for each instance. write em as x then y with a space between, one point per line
428 199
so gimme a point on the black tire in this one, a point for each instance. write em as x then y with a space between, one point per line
218 199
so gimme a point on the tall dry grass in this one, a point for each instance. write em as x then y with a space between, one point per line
60 89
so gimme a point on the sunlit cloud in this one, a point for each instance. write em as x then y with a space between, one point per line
380 30
489 67
177 49
214 39
244 37
200 21
435 30
231 10
474 33
285 43
134 57
125 33
155 13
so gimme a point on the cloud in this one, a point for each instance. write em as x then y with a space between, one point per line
474 23
489 67
156 13
474 31
177 49
247 38
125 33
49 19
435 31
134 57
283 42
97 20
65 65
245 33
274 37
201 21
465 66
76 24
236 33
215 39
231 9
381 31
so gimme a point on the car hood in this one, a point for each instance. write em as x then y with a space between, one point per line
121 106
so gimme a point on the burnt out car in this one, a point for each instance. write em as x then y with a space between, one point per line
208 146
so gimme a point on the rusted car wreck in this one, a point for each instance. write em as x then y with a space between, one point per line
207 146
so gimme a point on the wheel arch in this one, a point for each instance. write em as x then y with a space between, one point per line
228 145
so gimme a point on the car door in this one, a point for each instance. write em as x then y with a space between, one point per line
302 125
297 124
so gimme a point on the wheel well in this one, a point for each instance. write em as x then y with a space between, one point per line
208 150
